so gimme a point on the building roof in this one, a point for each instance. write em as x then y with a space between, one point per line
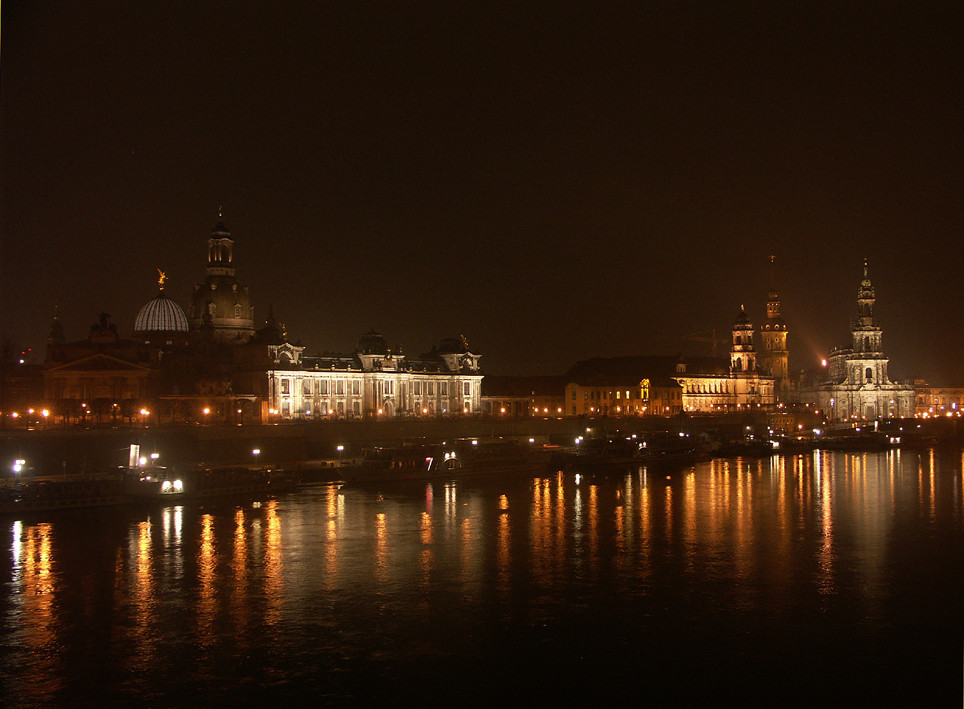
161 314
622 371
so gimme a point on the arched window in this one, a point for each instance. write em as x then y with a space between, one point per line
869 374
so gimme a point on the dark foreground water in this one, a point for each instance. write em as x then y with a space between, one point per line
827 578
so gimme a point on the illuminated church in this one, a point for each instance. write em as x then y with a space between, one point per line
857 385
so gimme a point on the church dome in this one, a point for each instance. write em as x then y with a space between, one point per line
161 314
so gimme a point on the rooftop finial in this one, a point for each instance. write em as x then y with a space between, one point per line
220 215
161 277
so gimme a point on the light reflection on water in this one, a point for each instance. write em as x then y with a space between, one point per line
349 593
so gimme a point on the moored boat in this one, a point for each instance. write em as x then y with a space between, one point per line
450 459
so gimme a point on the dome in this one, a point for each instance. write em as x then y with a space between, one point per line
161 314
371 343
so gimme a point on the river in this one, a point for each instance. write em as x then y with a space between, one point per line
826 577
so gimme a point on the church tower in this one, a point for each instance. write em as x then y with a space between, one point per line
774 356
858 385
220 305
742 354
865 329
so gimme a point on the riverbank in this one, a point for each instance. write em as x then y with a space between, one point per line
69 451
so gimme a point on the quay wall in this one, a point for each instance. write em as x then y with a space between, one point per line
66 451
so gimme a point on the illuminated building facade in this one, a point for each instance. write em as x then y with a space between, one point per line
936 401
622 386
371 382
710 386
212 366
857 385
664 386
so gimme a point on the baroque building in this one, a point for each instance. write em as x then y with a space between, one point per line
668 385
709 386
774 355
857 384
373 381
212 366
221 307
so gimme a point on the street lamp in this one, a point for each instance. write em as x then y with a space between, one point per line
256 452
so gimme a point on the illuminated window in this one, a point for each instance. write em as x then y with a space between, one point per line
285 386
355 387
340 389
466 389
443 388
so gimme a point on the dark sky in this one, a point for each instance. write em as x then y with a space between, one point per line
553 182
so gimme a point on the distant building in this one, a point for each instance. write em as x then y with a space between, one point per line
623 386
374 381
774 355
709 386
212 366
667 385
102 378
221 307
935 401
523 396
857 385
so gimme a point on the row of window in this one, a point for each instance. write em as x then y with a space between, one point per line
322 387
594 394
340 409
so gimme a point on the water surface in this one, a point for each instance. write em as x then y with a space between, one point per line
825 577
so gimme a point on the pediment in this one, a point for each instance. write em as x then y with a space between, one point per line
100 362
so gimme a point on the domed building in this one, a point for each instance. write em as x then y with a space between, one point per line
221 307
161 322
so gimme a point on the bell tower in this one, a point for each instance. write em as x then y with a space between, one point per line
221 306
220 247
742 354
774 356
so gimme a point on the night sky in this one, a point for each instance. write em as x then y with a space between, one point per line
553 182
